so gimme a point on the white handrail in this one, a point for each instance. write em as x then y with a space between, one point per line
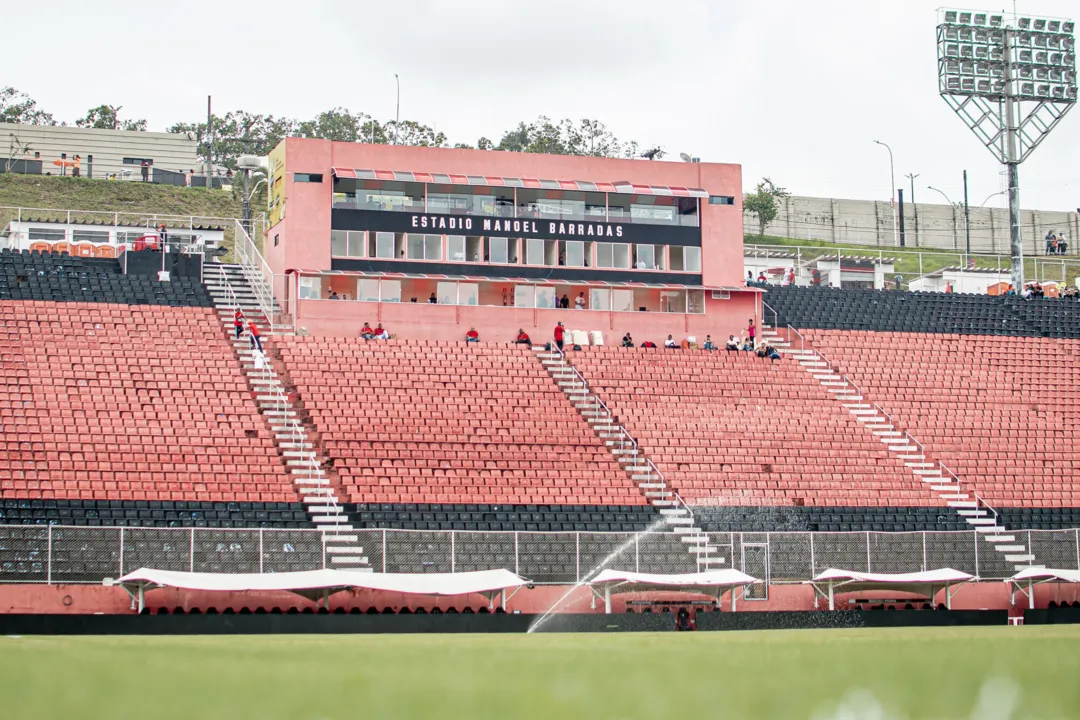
256 271
294 430
609 417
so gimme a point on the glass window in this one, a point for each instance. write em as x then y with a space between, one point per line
310 287
604 255
414 247
575 254
524 296
433 247
391 290
534 252
379 195
695 301
688 211
102 236
307 177
692 259
468 294
455 248
384 245
357 243
620 255
652 213
448 293
622 300
672 301
497 250
367 290
646 257
551 204
600 299
545 297
339 243
52 235
473 200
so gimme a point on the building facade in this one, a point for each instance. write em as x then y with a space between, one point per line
433 241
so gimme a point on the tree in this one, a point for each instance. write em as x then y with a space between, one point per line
586 137
238 133
336 124
106 117
764 203
410 132
591 137
18 107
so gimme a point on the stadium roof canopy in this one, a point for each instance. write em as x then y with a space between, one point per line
927 584
314 584
713 583
1030 577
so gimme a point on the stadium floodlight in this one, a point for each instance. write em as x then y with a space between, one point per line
1011 83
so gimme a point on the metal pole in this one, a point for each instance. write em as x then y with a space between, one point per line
384 550
209 142
912 176
48 559
397 114
453 552
191 551
812 563
903 233
892 193
121 553
517 565
577 557
967 219
1012 164
261 531
247 203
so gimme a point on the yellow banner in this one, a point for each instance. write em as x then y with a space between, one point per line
275 197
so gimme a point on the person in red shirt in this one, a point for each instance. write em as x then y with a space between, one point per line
253 333
366 332
523 338
472 336
559 331
238 322
751 333
648 344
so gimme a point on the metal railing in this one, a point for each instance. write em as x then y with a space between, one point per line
88 555
256 271
625 438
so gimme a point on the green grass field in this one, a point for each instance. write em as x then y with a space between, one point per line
872 674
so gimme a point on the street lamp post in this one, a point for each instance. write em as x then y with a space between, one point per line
397 114
958 206
892 193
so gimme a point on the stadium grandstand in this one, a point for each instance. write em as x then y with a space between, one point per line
896 430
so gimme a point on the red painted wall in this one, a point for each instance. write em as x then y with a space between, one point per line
411 321
308 205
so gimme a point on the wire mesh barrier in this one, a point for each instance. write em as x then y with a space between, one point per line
62 554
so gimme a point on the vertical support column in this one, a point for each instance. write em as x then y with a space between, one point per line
868 568
261 530
975 533
517 563
1012 165
813 562
453 551
48 557
577 557
121 553
924 551
384 550
637 552
191 551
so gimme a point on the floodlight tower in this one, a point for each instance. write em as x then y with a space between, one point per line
1011 83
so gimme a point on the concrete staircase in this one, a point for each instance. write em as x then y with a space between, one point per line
640 469
304 462
932 474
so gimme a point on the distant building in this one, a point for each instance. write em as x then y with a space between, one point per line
98 239
102 152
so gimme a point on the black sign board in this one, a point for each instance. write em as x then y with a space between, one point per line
436 224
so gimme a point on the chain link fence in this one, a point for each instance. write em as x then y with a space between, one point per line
61 554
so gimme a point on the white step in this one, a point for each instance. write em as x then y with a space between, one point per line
328 510
671 512
703 549
983 521
329 519
679 521
1019 558
999 538
698 539
1010 548
956 496
354 560
651 486
971 512
966 504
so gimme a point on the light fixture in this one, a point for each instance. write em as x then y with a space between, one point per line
1024 23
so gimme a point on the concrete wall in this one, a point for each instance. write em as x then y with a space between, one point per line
169 151
865 222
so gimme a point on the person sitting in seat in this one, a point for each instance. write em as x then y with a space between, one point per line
708 343
648 345
627 341
749 278
670 343
333 295
732 343
433 300
472 336
380 333
523 338
366 332
761 279
748 345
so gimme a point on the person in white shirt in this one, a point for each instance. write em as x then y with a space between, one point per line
670 342
579 302
641 265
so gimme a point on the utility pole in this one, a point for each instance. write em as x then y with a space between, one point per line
397 115
911 177
892 193
903 234
209 143
967 221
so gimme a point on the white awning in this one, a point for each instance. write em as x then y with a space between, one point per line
927 584
1030 577
322 583
713 583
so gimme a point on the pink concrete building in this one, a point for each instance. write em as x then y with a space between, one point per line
431 242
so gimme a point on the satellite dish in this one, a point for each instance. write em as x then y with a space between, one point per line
686 158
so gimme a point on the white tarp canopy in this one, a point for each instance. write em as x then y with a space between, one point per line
322 583
1030 577
927 584
713 583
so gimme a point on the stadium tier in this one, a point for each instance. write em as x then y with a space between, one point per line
434 435
1002 413
32 275
131 415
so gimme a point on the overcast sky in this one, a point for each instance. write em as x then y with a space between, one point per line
792 90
